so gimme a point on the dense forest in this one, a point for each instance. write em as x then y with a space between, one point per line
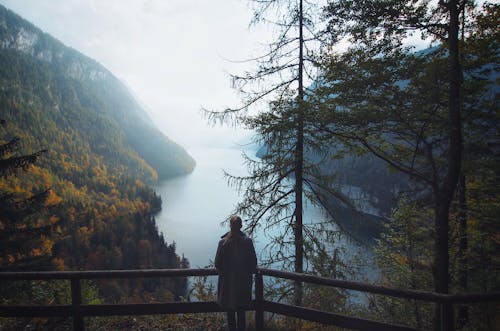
85 201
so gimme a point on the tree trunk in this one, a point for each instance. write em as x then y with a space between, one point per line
446 190
413 282
443 318
463 314
299 168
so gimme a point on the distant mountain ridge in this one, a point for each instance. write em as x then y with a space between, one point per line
106 94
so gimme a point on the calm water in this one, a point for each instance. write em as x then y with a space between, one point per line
195 205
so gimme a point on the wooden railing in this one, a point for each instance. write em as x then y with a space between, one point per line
77 311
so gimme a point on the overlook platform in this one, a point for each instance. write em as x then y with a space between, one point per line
77 311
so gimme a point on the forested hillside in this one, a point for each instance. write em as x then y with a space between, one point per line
102 155
73 90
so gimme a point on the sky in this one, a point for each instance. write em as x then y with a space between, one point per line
175 55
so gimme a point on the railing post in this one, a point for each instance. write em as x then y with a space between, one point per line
76 301
259 301
447 323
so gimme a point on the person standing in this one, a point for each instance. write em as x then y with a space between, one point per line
235 261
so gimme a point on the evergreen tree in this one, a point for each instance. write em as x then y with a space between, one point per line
407 109
25 243
279 180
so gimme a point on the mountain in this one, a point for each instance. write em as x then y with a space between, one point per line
89 93
103 155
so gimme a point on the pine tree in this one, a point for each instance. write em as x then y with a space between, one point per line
408 109
274 190
25 244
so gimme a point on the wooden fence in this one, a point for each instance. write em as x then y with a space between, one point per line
77 311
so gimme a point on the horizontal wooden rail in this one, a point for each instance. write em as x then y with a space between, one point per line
480 297
151 308
106 274
36 311
330 318
110 309
78 311
307 278
377 289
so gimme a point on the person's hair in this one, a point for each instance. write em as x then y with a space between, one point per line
234 220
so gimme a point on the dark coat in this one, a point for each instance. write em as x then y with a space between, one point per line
235 261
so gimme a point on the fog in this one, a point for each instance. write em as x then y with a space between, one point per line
174 55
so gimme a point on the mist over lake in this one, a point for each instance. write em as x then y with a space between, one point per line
195 205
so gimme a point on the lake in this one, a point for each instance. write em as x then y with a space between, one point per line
195 205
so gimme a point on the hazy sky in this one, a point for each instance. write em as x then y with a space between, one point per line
171 53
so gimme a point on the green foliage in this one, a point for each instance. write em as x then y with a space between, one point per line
69 92
404 256
393 107
25 238
52 292
430 115
383 25
99 211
